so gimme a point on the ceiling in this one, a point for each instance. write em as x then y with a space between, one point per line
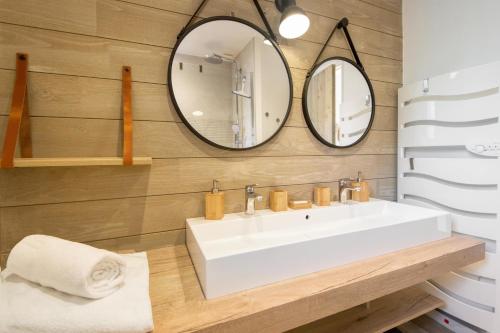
227 38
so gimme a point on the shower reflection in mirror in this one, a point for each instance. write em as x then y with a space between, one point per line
230 84
223 85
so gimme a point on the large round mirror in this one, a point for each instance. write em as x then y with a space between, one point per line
230 83
338 102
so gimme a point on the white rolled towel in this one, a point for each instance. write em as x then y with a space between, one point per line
70 267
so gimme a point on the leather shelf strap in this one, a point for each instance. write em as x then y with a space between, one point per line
18 125
127 115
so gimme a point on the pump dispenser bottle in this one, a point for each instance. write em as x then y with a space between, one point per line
364 194
214 203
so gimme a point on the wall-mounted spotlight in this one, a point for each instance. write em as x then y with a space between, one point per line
294 21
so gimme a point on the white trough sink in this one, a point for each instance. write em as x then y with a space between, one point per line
242 252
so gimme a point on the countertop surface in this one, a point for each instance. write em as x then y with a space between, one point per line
179 305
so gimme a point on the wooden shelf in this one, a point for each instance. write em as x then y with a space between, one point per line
380 315
179 305
76 161
19 129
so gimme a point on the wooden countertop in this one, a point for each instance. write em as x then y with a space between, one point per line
179 304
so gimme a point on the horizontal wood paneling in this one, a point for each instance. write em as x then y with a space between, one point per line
181 175
65 53
114 218
101 138
386 93
301 55
142 242
75 15
133 243
111 11
54 95
76 52
358 12
391 5
147 24
49 52
385 118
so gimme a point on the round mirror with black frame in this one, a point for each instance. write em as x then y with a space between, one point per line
338 102
230 83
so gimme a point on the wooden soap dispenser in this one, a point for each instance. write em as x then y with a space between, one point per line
214 203
364 194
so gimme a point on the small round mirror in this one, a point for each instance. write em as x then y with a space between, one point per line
230 83
338 102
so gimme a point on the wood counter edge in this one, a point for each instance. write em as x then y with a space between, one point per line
294 302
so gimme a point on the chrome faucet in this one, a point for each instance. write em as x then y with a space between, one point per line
250 197
345 185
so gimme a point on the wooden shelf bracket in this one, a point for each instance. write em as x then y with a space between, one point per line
18 127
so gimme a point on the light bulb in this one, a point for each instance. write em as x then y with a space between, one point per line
294 23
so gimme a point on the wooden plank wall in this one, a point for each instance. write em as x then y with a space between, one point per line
77 48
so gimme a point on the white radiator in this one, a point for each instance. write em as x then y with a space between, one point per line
448 158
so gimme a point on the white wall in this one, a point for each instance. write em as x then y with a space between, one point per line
274 90
441 36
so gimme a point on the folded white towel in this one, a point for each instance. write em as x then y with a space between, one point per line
74 268
27 307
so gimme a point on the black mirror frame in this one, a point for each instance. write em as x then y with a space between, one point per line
305 109
171 88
